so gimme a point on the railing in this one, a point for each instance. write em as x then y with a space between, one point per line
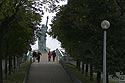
63 59
27 72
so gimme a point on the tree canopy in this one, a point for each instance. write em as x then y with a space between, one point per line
78 27
19 22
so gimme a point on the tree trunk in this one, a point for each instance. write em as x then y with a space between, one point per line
79 63
10 65
6 68
107 79
18 64
91 72
1 74
86 70
82 67
14 62
98 77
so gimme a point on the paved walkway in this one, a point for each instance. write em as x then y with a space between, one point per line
47 72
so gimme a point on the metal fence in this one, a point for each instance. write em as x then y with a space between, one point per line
63 59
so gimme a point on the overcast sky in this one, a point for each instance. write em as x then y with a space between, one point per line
50 42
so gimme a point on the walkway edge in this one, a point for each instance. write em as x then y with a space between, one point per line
73 78
27 72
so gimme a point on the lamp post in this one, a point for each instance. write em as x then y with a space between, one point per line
105 25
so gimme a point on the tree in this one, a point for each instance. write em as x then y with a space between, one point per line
17 25
80 21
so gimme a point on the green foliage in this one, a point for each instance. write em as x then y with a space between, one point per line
18 77
18 27
19 21
77 26
75 72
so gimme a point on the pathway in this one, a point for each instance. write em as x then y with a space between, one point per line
47 72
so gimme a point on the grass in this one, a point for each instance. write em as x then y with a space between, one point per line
82 77
18 77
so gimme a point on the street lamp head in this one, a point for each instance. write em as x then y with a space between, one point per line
105 24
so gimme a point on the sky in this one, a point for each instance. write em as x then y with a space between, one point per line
50 42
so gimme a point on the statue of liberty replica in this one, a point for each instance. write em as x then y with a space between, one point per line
42 37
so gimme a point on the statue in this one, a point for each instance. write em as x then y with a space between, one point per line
42 37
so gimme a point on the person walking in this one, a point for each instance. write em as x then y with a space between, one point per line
34 56
38 56
54 55
49 56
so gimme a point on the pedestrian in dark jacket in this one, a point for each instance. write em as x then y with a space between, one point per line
54 55
38 56
34 56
